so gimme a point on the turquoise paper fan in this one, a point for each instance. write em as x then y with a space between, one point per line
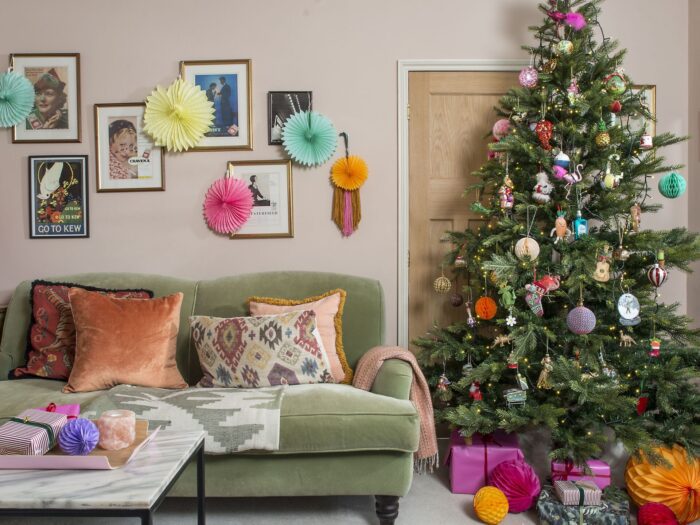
309 138
16 98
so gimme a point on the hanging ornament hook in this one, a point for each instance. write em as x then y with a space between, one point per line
345 140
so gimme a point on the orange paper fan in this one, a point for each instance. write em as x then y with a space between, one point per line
349 173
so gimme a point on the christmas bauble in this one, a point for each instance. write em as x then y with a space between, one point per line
486 308
657 275
501 128
581 320
678 487
672 185
616 106
615 84
460 262
565 47
527 247
562 160
457 299
549 66
78 437
490 505
656 514
518 482
628 306
442 284
528 77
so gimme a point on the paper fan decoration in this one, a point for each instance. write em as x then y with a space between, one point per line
228 205
348 174
16 98
309 138
179 116
518 481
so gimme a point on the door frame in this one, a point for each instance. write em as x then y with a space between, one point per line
404 67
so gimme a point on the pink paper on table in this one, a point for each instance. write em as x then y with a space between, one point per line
567 471
72 411
471 465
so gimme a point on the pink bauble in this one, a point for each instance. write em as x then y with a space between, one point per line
559 172
501 128
528 77
520 484
581 320
656 514
228 205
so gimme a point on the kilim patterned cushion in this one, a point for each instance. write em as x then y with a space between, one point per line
253 352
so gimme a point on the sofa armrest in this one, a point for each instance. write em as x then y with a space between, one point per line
393 379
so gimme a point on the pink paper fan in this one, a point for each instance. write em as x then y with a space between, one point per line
227 205
518 482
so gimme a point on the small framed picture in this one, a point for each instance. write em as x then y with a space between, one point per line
58 196
228 84
270 182
647 96
56 113
280 106
127 158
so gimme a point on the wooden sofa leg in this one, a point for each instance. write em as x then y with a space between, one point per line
387 509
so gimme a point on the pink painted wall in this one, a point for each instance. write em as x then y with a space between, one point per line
346 53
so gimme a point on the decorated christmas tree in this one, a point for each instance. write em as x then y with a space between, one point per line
564 324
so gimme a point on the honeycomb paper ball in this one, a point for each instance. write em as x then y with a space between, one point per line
581 320
490 505
656 514
677 487
672 185
78 437
518 481
486 308
527 247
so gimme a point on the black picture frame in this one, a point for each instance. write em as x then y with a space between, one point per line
58 197
282 104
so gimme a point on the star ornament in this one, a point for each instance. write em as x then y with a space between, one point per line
511 320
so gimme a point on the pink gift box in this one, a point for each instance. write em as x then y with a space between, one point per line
471 465
32 433
567 471
72 411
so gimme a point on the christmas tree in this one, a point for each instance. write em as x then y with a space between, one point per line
564 325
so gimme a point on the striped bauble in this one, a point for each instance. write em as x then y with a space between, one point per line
657 275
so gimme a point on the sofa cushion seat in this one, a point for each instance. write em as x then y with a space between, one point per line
315 419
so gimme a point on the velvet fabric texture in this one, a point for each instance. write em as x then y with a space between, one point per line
51 338
124 341
328 308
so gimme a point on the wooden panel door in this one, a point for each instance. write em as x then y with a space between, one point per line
450 115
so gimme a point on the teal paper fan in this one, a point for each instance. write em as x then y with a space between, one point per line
309 138
16 98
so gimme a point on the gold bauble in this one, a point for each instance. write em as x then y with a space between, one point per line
602 139
442 284
549 66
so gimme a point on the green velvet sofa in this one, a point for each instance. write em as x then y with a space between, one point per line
333 441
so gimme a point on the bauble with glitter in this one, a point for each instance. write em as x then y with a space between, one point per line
528 77
490 505
602 138
527 247
442 284
501 128
672 185
581 320
565 47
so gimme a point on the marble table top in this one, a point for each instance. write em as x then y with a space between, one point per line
137 485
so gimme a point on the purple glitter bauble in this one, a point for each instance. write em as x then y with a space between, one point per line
581 320
528 77
78 437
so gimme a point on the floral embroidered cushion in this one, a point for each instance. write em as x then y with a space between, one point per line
251 352
328 308
51 338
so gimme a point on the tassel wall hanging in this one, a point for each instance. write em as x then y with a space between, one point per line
348 174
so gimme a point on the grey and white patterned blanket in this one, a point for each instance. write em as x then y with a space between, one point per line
234 419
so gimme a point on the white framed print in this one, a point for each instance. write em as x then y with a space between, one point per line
55 116
127 158
270 183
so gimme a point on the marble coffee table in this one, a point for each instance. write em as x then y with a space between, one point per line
135 490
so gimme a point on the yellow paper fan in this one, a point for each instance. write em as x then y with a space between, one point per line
179 116
349 173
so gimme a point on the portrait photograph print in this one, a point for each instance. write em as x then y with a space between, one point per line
58 196
127 158
227 84
280 106
270 183
55 116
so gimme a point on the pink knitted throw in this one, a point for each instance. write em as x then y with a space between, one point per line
426 457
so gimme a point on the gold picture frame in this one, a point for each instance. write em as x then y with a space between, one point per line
56 81
120 171
273 203
229 85
648 93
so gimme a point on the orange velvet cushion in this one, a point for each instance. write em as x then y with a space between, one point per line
328 308
124 341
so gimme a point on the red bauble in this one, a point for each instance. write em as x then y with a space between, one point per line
544 129
656 514
642 403
616 106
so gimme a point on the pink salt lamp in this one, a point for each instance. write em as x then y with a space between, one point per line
117 429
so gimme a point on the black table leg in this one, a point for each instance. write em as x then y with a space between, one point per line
200 486
147 518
